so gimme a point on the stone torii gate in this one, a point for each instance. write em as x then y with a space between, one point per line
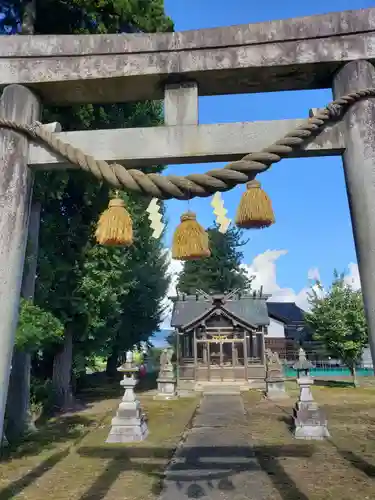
335 50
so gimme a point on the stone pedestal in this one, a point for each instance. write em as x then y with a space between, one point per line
309 420
129 424
166 385
275 388
275 381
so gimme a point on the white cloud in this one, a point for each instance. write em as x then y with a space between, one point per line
264 270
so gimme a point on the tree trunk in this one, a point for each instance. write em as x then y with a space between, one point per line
42 368
62 373
353 372
19 418
112 363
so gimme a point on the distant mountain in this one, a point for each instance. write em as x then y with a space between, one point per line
159 338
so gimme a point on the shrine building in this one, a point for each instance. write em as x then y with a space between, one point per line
221 339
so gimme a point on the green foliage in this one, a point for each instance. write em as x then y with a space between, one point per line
72 201
110 298
337 319
36 327
102 16
123 288
86 16
221 272
111 295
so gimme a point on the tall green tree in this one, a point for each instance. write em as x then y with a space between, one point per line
338 320
83 199
71 203
221 272
124 293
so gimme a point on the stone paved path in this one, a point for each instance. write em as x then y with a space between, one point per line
216 461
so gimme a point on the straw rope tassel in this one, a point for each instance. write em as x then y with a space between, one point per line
190 240
255 208
115 226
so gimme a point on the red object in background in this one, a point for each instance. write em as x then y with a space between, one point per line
142 371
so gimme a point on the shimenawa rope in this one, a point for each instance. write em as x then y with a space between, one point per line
194 185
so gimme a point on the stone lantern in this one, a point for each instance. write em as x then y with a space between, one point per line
309 420
129 424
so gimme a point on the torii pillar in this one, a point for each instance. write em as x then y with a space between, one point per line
18 104
359 169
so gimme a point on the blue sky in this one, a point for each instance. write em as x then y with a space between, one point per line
308 195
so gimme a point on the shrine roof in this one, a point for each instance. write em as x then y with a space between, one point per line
247 309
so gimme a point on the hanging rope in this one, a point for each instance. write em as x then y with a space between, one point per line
194 185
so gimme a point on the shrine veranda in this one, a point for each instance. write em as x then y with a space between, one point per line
335 51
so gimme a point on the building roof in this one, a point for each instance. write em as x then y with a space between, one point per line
249 310
287 312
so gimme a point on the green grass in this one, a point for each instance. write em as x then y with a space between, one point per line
342 467
69 460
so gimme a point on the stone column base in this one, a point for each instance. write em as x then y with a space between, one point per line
275 389
128 425
310 423
125 432
166 389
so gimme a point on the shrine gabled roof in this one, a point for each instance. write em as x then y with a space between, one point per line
247 309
